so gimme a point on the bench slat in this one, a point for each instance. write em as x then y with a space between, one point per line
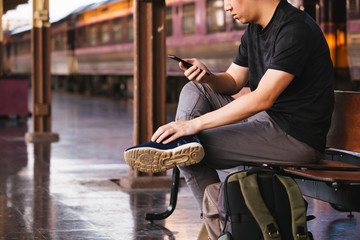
328 176
321 165
327 165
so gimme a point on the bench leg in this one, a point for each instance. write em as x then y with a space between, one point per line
173 199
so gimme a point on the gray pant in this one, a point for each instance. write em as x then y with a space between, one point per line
256 139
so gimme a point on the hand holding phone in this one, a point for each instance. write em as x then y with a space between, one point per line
185 63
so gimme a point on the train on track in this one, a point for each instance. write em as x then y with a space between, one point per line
92 47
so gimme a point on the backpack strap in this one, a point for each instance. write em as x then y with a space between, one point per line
258 209
298 208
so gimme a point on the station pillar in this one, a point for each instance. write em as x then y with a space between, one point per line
149 84
41 76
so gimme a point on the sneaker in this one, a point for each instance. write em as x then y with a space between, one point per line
154 157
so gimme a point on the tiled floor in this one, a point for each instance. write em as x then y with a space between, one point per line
64 190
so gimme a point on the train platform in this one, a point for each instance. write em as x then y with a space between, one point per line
68 189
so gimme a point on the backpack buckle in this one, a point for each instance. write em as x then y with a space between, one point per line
273 231
301 236
274 235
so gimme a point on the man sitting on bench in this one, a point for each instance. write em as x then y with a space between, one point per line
285 59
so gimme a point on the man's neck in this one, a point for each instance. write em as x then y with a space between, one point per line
267 12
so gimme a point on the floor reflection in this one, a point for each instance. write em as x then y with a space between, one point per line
342 227
43 216
14 187
142 203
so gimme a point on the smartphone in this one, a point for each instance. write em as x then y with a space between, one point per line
185 63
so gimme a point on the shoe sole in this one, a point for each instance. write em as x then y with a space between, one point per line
152 160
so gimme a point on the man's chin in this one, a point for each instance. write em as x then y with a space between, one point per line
243 21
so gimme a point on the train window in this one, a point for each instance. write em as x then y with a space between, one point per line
15 48
62 41
168 21
18 48
21 47
352 4
80 37
130 24
188 19
105 33
56 41
353 9
118 30
24 47
215 16
93 35
52 43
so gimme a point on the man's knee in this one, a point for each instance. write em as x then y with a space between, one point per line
192 87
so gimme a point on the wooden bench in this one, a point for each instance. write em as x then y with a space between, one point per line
336 178
338 185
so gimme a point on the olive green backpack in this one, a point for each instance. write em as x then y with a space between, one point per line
259 204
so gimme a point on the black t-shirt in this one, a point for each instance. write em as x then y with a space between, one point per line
292 42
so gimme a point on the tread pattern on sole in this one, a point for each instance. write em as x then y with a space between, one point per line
153 160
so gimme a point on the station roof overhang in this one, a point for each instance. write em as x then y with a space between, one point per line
12 4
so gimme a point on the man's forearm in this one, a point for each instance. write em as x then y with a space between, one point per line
237 110
223 83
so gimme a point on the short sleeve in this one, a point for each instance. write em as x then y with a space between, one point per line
292 49
241 58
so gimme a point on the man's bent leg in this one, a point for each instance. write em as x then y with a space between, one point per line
258 140
196 100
